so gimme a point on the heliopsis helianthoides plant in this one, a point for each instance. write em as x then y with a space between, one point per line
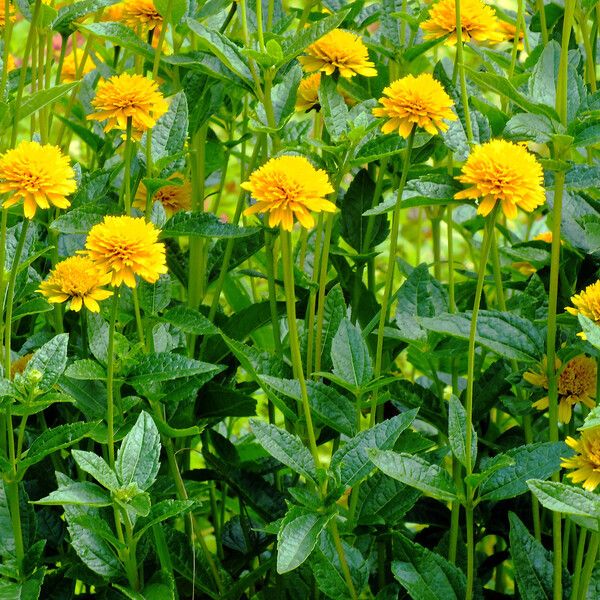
415 102
478 22
79 281
274 310
125 247
587 303
501 172
585 465
39 174
132 98
289 187
339 51
576 384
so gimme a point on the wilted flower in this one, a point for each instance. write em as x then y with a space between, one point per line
289 186
478 22
587 303
173 197
587 460
576 383
141 12
79 280
126 247
415 101
500 171
340 51
128 96
41 175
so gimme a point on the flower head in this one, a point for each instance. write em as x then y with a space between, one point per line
69 68
39 174
289 186
11 16
125 247
141 12
415 101
173 197
478 22
79 280
587 460
576 383
114 12
339 50
308 93
500 171
128 96
507 31
587 303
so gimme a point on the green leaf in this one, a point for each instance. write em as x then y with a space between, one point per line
283 99
120 35
422 295
97 467
457 432
189 321
63 23
326 403
138 458
417 472
286 448
566 499
165 366
31 307
379 147
582 177
358 199
161 511
223 48
86 370
204 225
350 355
50 360
425 574
81 219
503 333
171 130
154 297
295 43
502 86
179 8
532 563
352 459
28 590
327 569
333 108
78 493
31 104
525 126
534 461
297 537
51 440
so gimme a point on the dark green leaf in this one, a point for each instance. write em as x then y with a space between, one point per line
457 432
50 360
204 225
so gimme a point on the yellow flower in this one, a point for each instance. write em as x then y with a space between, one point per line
289 186
339 50
502 171
128 96
507 31
478 22
141 12
78 279
113 12
576 383
587 303
69 68
587 460
126 247
40 175
420 101
11 63
11 15
308 93
173 197
545 236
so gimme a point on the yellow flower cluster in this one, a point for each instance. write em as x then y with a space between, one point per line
587 460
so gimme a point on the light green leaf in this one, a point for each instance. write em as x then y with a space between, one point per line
189 320
78 493
50 360
350 355
97 467
333 108
457 432
566 499
204 225
31 104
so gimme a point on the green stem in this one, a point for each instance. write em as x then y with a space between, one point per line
543 25
287 260
578 563
127 166
8 27
515 47
461 72
10 293
389 281
130 558
110 370
161 39
485 249
436 238
589 564
138 317
312 296
333 528
589 53
270 247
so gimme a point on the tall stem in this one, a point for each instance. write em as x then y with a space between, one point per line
461 72
287 260
389 281
127 166
589 564
485 249
270 247
110 371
